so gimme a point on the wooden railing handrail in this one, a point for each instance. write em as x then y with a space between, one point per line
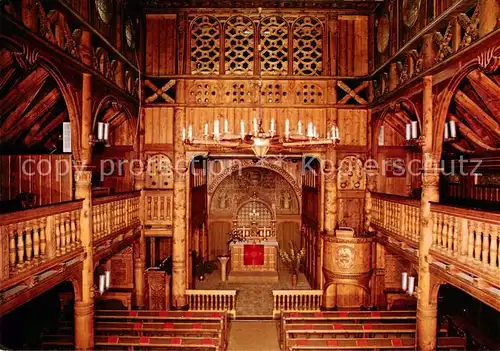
39 212
297 292
410 201
467 213
210 292
116 197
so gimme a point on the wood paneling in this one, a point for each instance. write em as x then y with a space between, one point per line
49 177
353 126
353 46
159 122
161 44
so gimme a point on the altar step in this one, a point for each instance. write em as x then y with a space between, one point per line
251 318
253 277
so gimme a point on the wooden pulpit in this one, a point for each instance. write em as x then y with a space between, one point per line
158 288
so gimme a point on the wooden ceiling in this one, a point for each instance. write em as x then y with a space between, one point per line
476 111
272 4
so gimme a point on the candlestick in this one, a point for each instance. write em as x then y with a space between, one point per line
107 279
446 126
255 126
242 129
106 131
453 129
404 281
205 131
190 133
287 128
101 284
226 126
414 129
100 131
299 128
408 131
183 134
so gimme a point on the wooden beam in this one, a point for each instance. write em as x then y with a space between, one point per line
38 133
6 76
14 97
23 106
488 90
473 124
6 58
477 112
31 117
471 136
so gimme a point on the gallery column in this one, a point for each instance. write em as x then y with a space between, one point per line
179 263
426 308
84 307
330 208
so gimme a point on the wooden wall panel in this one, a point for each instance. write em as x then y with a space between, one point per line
353 46
49 177
353 126
161 44
159 122
122 269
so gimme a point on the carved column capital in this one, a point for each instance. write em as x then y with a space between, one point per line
83 178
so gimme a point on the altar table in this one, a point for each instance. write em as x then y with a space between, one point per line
253 260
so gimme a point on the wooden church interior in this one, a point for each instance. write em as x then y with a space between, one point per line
157 158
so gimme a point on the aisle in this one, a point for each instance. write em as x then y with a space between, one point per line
252 299
253 336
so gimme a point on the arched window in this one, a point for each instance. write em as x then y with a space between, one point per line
205 45
307 46
239 42
274 42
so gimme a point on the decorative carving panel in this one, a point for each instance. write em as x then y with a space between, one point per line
351 174
274 43
205 45
239 45
159 172
307 46
274 93
309 94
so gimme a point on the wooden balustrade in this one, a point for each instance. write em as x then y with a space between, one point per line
397 214
114 213
33 237
296 300
159 207
469 237
212 300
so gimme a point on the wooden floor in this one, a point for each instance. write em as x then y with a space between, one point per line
253 335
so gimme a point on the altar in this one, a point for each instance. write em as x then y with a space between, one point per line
254 262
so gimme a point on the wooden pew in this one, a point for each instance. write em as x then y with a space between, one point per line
350 317
157 343
329 331
445 343
205 329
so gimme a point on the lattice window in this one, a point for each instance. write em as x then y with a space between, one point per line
307 46
239 55
254 212
274 42
205 45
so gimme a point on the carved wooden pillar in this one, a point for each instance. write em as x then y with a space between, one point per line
29 13
179 249
429 54
204 241
393 76
426 307
330 206
488 16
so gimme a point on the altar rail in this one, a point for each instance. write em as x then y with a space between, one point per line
468 238
114 213
296 300
397 214
34 237
213 300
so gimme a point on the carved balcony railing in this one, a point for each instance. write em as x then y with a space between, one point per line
60 26
467 239
115 214
296 300
398 215
213 300
34 240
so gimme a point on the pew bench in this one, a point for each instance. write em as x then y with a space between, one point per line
129 343
333 331
206 329
351 317
445 343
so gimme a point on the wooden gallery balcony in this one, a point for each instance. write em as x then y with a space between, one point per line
465 242
41 247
